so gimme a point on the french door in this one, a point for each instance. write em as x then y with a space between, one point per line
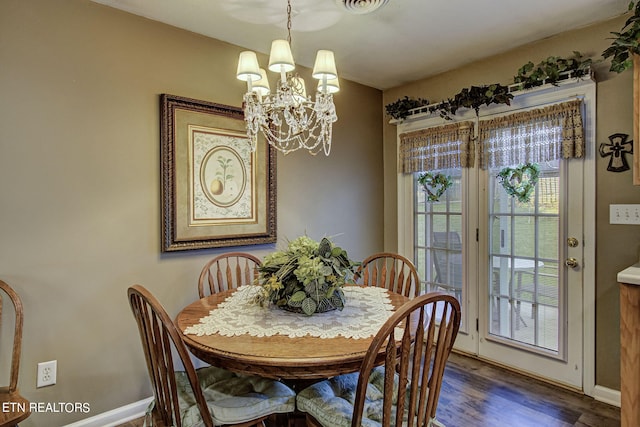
516 266
526 307
531 308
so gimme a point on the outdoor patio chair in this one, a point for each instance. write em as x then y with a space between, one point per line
447 261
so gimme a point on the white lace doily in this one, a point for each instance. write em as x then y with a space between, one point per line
365 311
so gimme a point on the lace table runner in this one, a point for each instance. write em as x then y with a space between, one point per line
365 311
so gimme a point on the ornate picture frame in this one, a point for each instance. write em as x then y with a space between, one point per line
216 192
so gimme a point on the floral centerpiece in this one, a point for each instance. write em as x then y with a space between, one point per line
307 277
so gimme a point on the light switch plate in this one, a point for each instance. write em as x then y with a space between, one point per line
624 214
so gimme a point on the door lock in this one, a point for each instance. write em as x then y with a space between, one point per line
571 262
572 242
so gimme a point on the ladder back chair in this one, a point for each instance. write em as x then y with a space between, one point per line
405 390
209 396
9 395
228 271
391 271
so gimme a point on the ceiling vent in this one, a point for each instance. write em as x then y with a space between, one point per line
360 7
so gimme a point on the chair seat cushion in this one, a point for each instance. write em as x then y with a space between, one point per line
331 401
232 398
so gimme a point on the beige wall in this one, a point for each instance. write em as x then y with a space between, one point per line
617 246
80 185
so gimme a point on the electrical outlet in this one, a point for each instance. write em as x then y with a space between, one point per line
624 214
47 373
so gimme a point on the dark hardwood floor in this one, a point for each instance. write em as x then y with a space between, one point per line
477 394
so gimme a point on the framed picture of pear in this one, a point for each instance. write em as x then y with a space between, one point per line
216 191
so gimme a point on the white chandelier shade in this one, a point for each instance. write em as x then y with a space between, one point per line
248 68
329 85
280 58
325 66
288 118
261 86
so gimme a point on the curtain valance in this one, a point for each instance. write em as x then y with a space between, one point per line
534 136
442 147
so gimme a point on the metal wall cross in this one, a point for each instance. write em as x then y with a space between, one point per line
616 151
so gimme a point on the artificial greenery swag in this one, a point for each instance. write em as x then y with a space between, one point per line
434 184
473 97
400 109
626 43
552 70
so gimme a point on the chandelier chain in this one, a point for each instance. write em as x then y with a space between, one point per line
289 21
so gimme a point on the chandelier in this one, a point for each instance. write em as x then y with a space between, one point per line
288 118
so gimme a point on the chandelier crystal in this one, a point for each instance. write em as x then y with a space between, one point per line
288 118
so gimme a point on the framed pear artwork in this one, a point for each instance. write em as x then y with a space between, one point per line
216 191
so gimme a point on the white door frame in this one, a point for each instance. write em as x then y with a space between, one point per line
585 89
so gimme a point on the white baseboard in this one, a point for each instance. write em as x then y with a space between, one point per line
115 416
606 395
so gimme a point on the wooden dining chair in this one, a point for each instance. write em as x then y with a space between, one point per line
10 397
228 271
404 391
390 271
209 396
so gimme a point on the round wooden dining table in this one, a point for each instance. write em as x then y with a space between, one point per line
276 356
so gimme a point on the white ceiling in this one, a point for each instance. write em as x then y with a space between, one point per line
404 41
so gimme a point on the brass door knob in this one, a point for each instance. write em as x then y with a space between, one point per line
572 242
571 262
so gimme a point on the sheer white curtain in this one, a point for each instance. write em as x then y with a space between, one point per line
442 147
532 136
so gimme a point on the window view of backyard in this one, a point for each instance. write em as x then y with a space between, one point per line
438 240
522 255
523 242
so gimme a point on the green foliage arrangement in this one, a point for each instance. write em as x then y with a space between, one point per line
473 97
400 109
626 43
434 184
307 277
552 70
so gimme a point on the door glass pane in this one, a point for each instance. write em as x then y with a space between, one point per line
523 262
526 233
438 240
